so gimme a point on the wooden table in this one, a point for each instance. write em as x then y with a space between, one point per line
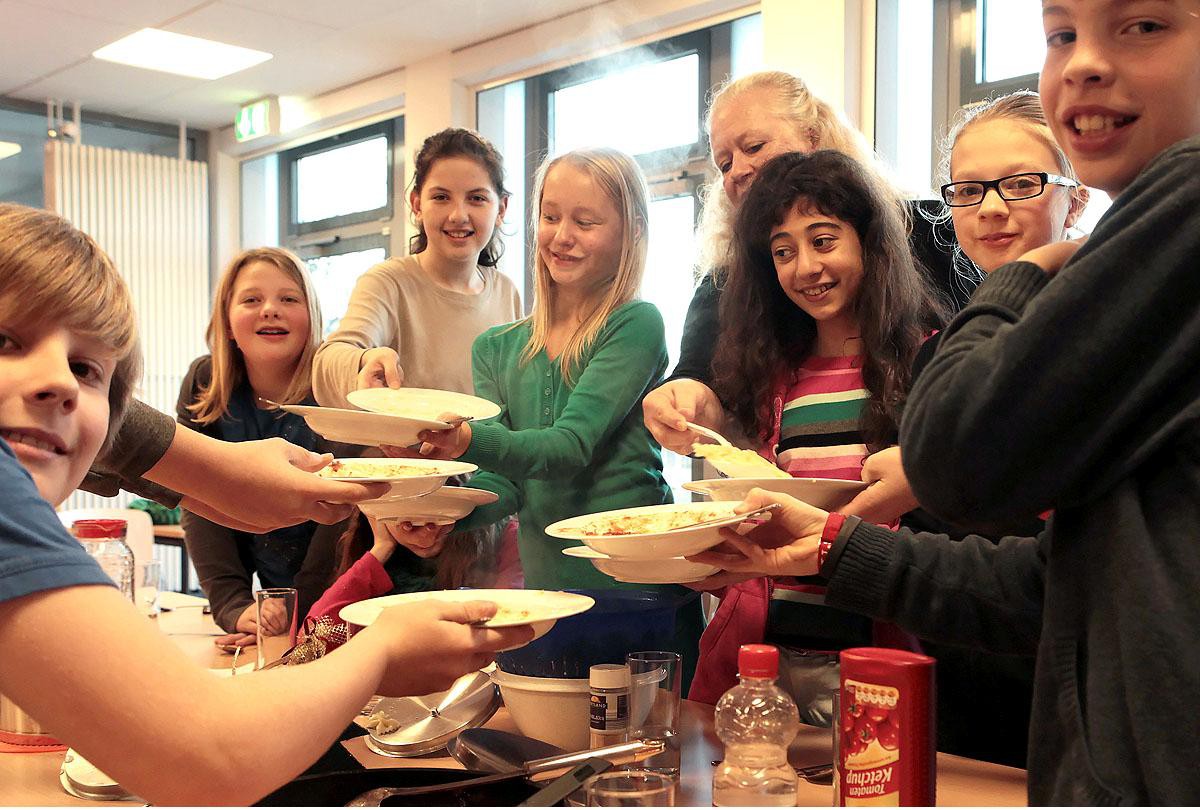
32 779
172 535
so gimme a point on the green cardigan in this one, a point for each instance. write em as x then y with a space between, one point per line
555 451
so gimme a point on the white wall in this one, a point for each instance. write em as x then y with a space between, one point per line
821 40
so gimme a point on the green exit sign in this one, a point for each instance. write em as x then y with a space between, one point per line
257 119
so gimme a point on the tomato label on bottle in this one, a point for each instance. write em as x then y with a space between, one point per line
870 748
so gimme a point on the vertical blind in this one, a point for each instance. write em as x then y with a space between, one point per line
150 214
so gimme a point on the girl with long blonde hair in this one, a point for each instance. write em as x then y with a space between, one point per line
263 333
570 377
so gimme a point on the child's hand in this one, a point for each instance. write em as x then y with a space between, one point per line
1053 256
666 408
429 644
446 444
247 622
786 545
424 540
380 368
889 496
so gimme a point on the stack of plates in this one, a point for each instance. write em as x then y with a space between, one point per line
640 546
395 416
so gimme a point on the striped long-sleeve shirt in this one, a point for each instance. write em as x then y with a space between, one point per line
819 429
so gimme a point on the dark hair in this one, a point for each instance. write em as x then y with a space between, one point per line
468 558
456 142
763 333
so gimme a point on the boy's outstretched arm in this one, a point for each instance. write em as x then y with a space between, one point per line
251 486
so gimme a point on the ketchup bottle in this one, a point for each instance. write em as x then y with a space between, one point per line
886 729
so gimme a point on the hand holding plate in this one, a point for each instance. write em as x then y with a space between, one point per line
449 443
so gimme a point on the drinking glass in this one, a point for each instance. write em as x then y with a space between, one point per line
149 583
654 705
631 788
276 616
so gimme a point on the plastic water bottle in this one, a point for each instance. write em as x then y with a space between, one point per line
105 541
757 721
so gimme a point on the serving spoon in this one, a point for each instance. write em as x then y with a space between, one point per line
708 433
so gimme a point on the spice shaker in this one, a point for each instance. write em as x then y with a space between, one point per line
609 704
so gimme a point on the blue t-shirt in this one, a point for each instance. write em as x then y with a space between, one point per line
36 552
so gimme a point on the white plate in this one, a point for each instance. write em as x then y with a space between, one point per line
541 609
823 493
423 405
362 427
650 545
664 572
446 505
411 476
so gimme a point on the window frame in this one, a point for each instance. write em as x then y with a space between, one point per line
289 227
970 53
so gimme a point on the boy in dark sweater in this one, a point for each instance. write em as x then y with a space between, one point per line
1072 382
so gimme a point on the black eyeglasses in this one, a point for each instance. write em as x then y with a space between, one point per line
1014 187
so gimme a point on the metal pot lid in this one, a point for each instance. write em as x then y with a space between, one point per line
83 780
428 722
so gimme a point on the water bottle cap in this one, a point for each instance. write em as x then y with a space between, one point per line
758 661
94 529
609 676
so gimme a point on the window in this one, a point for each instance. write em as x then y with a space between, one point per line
334 274
343 180
24 123
1008 48
333 203
600 111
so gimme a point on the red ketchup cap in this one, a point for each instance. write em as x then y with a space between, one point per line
758 661
98 529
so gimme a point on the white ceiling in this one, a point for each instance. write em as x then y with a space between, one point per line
318 45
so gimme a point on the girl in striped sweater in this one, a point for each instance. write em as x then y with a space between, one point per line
820 318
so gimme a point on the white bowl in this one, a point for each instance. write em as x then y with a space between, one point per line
362 427
425 405
409 477
663 572
823 493
553 710
651 545
538 609
445 505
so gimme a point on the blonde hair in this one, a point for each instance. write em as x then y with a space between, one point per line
619 176
228 363
52 272
815 121
1022 107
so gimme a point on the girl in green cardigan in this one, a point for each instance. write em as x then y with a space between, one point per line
570 378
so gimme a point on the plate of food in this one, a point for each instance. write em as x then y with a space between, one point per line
735 462
675 570
541 609
423 406
650 532
824 493
408 477
442 506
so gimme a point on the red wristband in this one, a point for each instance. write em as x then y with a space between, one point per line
833 525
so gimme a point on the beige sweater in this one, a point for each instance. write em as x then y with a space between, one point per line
396 304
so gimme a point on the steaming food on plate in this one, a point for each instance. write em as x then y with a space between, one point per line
373 468
737 463
619 525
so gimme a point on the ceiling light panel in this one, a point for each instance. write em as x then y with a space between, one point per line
180 54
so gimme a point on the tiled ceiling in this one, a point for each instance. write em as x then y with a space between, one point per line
318 45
